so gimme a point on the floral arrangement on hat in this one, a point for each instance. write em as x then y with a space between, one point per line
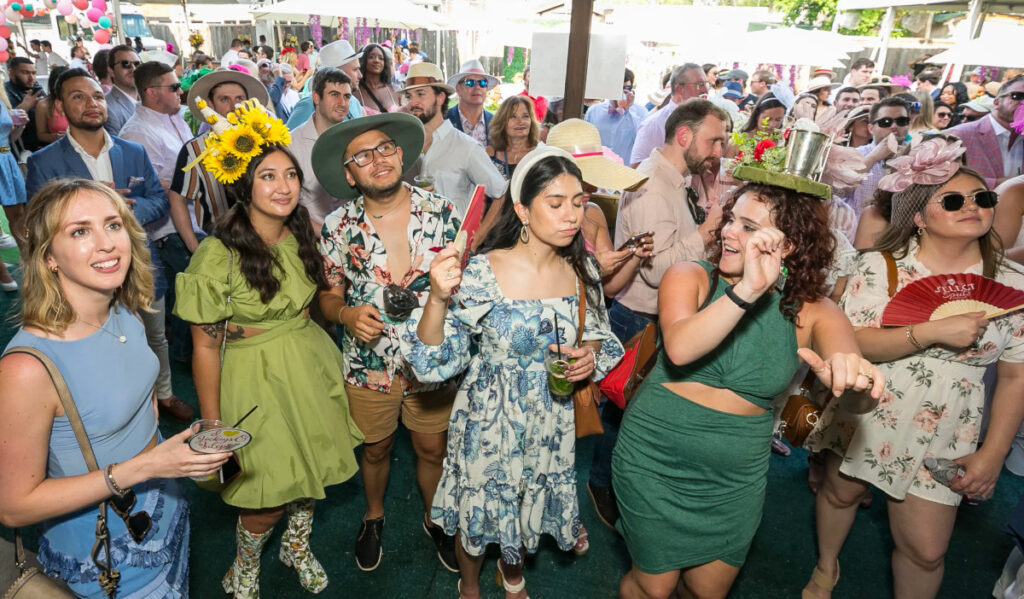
195 39
244 38
237 138
901 80
931 162
760 149
291 40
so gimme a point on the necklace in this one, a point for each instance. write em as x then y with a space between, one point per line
119 336
376 217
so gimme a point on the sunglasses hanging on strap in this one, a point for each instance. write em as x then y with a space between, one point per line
693 203
108 576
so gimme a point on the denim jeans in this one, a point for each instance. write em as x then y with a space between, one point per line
175 258
625 324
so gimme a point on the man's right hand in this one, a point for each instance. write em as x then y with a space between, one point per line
711 220
30 100
364 322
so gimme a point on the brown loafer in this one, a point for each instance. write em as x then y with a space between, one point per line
172 407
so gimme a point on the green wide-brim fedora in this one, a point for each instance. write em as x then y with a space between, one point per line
329 149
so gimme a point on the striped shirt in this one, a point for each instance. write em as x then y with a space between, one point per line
198 185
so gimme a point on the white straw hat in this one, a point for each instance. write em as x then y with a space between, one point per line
583 141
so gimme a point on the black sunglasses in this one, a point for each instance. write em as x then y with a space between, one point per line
887 122
129 63
174 86
1015 96
954 200
139 523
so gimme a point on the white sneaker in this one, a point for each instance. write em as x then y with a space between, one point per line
7 242
12 286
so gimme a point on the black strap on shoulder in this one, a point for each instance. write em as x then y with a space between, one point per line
712 288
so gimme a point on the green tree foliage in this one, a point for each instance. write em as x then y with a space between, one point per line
818 14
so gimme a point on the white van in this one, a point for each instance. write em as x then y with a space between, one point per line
54 28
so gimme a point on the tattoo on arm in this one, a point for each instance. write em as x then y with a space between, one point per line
216 329
212 329
235 333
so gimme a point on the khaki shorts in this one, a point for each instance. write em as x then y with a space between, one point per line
376 413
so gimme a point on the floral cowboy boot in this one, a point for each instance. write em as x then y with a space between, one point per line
295 546
243 577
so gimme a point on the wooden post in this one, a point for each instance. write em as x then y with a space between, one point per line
576 64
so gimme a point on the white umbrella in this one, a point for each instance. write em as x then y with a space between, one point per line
382 13
989 52
794 46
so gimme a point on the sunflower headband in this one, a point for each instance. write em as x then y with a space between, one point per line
238 138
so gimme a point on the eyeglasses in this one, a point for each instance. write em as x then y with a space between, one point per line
888 121
943 115
627 88
698 84
1015 96
129 63
482 82
954 200
365 157
139 523
174 86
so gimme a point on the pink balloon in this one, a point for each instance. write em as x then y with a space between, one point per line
5 31
80 4
3 19
3 45
101 36
99 5
93 14
4 56
65 8
71 19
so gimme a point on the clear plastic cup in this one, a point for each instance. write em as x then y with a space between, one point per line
205 424
559 385
423 181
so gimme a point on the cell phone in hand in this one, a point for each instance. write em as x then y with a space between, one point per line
634 240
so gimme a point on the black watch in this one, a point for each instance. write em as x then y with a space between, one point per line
744 305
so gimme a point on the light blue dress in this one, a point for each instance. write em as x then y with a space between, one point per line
12 184
509 475
112 386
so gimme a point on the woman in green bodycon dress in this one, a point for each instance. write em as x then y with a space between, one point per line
690 466
263 255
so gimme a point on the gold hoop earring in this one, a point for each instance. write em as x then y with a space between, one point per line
524 234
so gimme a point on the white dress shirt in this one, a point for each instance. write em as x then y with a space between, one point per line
1013 156
458 164
99 167
651 134
162 136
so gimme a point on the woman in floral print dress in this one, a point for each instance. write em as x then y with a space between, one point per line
509 474
934 399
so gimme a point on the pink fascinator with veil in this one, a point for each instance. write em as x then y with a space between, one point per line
1018 120
930 162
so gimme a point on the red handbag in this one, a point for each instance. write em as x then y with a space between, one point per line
621 383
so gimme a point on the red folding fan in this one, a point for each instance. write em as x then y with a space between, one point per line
939 296
470 224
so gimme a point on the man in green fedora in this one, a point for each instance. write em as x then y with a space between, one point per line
377 251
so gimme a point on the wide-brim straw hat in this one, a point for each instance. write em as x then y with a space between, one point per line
819 83
473 68
329 150
883 81
254 89
338 53
424 74
583 141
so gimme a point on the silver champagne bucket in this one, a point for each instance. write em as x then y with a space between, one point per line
805 153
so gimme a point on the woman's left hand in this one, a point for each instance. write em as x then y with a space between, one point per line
982 472
583 367
843 372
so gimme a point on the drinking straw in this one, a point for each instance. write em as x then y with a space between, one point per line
558 338
244 417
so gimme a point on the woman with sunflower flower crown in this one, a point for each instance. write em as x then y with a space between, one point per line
247 290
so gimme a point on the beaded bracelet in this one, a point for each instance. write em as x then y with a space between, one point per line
911 339
112 484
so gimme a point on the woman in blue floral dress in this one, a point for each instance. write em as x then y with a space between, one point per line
509 474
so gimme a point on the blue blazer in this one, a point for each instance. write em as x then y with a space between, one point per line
456 120
127 159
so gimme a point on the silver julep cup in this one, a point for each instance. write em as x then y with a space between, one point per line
805 153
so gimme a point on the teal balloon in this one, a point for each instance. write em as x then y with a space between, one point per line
16 7
104 22
28 7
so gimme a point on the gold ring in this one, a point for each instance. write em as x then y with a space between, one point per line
866 375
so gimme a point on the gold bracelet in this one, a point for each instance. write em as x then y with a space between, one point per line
340 310
112 485
911 339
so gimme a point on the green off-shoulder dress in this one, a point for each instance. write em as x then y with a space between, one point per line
303 437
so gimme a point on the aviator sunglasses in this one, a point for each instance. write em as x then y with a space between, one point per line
129 63
482 82
954 200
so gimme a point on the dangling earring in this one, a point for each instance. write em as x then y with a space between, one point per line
524 234
780 283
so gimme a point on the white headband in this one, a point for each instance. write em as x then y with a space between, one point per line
515 186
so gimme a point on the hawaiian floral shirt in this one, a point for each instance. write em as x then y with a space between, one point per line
355 256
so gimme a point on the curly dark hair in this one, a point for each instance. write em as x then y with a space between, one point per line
803 219
256 260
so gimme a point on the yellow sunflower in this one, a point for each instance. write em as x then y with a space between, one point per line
259 120
278 133
225 166
242 141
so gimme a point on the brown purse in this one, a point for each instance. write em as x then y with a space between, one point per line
586 397
34 584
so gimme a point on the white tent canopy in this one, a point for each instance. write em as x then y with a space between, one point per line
987 51
382 13
793 46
